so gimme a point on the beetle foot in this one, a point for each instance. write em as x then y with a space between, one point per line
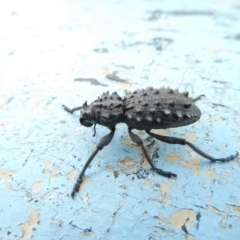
76 187
164 173
227 159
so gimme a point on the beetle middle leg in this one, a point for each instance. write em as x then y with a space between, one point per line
103 142
136 139
182 141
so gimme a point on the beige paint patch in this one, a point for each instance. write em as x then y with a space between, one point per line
162 218
225 174
161 132
128 166
216 210
210 174
85 182
148 183
31 223
71 175
165 188
235 208
190 137
36 186
165 191
192 162
165 200
82 190
38 101
48 166
7 174
55 173
172 157
183 216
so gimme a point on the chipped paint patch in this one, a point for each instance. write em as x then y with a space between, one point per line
148 182
37 186
172 157
55 173
7 174
192 162
210 174
71 175
234 208
191 137
183 217
161 132
165 192
128 166
162 218
32 222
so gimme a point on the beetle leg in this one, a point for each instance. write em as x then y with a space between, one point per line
182 141
199 97
103 142
136 139
71 110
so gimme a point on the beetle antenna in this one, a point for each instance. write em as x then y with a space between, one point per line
71 110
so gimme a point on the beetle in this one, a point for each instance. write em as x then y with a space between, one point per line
144 109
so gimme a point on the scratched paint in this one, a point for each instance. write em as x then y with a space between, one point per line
193 46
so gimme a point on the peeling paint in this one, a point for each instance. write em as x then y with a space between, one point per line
193 162
172 157
30 224
37 186
7 174
71 175
210 174
234 208
183 216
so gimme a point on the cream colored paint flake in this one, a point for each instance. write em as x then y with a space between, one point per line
37 186
192 162
172 157
161 132
183 216
7 174
165 200
210 174
190 137
55 173
38 101
48 166
148 182
235 208
71 175
165 188
161 217
31 223
128 166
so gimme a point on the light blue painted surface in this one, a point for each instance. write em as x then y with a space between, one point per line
44 46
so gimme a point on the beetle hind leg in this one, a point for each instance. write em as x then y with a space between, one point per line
136 139
182 141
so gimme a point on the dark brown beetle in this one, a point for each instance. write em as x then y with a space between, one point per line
144 109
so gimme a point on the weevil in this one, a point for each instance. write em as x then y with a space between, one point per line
144 109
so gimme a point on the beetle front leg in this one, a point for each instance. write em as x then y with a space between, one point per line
182 141
136 139
103 142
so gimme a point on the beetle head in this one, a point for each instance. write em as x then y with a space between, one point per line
87 118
